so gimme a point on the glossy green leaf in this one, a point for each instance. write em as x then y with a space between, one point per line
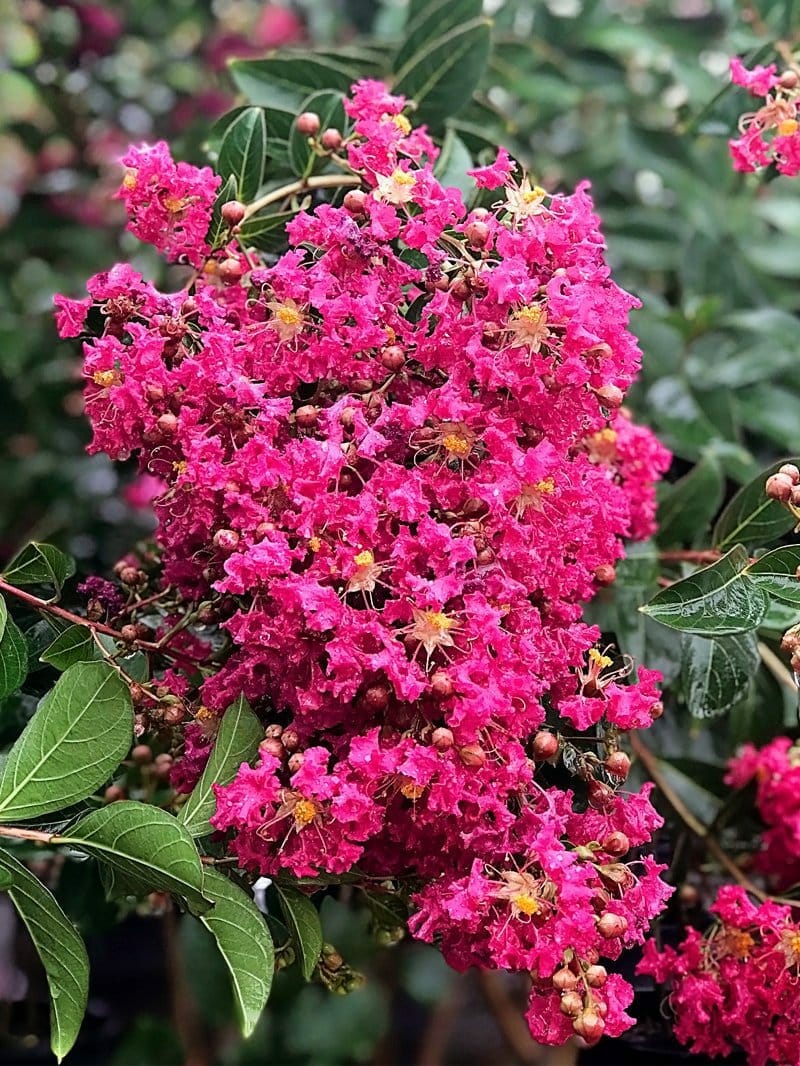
218 228
776 572
243 152
40 564
239 735
80 733
431 21
329 105
690 504
302 920
751 517
285 79
443 75
145 849
717 600
3 616
59 946
266 232
13 658
74 645
716 674
453 163
245 943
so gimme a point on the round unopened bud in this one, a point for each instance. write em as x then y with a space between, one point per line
306 416
589 1026
175 714
596 976
616 843
362 385
129 575
564 980
331 140
138 694
295 762
290 739
113 793
611 925
442 738
789 79
273 730
272 746
355 202
610 396
154 393
477 233
472 755
601 797
230 271
460 291
393 357
129 633
441 685
779 487
226 540
618 764
233 211
308 123
571 1004
791 471
656 710
142 754
167 423
544 745
605 575
377 698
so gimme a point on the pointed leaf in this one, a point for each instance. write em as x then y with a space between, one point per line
751 517
60 948
716 674
218 228
284 80
74 645
266 232
689 505
716 601
245 943
147 847
239 735
453 163
433 19
243 152
3 616
329 105
81 731
443 75
40 564
776 572
13 658
305 927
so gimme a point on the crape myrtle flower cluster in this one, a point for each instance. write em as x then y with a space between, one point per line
770 135
734 988
395 464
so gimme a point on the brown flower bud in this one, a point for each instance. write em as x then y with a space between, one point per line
618 764
605 575
129 575
589 1026
295 762
153 393
779 487
564 980
610 396
442 738
472 755
791 471
272 746
611 925
290 739
393 358
544 746
355 201
129 633
226 540
376 698
596 976
616 843
174 714
441 685
601 797
571 1004
230 271
273 730
656 710
688 895
306 416
167 423
114 793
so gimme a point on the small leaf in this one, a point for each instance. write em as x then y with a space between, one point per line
243 152
60 948
74 645
690 504
218 228
716 674
40 564
329 106
245 943
433 19
3 616
443 75
716 601
147 847
776 573
239 735
13 659
284 80
305 927
80 733
751 517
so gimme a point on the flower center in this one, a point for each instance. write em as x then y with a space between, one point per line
526 904
788 127
289 316
439 621
365 558
455 444
305 811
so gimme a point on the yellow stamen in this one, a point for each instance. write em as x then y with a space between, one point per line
526 904
439 620
314 544
402 124
305 811
456 445
788 127
204 714
180 466
365 558
411 790
129 180
602 661
174 204
547 486
107 378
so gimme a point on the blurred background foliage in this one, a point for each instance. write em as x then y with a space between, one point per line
627 93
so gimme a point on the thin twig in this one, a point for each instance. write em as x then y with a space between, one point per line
321 181
709 556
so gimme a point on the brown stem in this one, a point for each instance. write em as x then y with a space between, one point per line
709 556
440 1026
28 834
509 1019
322 181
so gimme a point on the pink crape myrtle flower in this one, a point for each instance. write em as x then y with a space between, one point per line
770 135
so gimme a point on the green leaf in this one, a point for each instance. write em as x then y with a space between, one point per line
218 228
82 730
689 505
329 106
284 80
13 658
716 674
776 573
432 20
3 616
751 517
305 927
146 847
442 77
40 564
74 645
239 735
243 152
245 943
453 163
60 948
716 601
266 232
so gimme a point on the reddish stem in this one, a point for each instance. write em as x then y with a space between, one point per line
708 556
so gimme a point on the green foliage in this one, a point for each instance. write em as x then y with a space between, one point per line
303 922
40 564
717 674
242 152
751 516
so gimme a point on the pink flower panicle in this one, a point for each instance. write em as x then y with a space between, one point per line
395 463
770 135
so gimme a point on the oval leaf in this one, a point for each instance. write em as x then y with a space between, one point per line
245 943
13 659
81 731
3 616
284 80
716 601
240 733
74 645
689 505
218 228
305 927
40 564
776 573
266 232
243 152
433 18
716 674
146 847
751 517
442 76
60 948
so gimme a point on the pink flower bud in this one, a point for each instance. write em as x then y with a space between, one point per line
610 396
618 765
226 540
544 746
355 201
596 976
564 980
442 738
571 1004
605 575
331 140
306 416
472 755
441 685
308 123
601 797
590 1026
233 211
611 925
393 357
779 487
616 843
791 471
272 746
230 271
